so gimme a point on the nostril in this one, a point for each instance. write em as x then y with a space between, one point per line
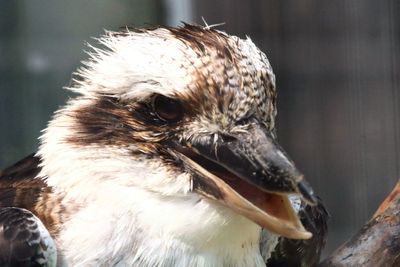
227 138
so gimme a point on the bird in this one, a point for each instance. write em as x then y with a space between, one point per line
167 155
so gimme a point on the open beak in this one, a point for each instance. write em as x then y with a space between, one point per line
251 174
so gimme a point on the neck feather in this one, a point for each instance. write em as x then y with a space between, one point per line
132 214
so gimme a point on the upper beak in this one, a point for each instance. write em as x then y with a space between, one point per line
251 174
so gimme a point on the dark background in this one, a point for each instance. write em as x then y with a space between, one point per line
336 62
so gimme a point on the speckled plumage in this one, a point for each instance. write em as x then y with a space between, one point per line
106 158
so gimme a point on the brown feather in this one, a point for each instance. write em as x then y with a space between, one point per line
21 187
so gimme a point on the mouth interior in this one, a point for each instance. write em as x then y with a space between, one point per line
273 204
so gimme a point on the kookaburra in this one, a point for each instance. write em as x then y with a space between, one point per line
167 157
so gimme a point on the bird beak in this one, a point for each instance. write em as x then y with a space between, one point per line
251 174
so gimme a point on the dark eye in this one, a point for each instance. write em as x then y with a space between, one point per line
167 109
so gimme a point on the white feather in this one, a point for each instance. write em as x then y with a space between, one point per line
126 201
134 211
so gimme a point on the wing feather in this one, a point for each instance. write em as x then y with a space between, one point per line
24 241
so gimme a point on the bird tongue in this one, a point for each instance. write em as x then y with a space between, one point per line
273 204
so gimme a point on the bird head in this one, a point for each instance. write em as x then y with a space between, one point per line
181 111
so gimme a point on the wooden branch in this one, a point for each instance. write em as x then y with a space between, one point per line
377 243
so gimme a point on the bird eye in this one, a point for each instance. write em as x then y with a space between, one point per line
167 109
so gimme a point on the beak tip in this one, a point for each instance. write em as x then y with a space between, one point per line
306 192
307 235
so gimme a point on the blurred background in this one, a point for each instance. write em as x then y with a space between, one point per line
336 63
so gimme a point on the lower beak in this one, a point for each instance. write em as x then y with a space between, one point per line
251 175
